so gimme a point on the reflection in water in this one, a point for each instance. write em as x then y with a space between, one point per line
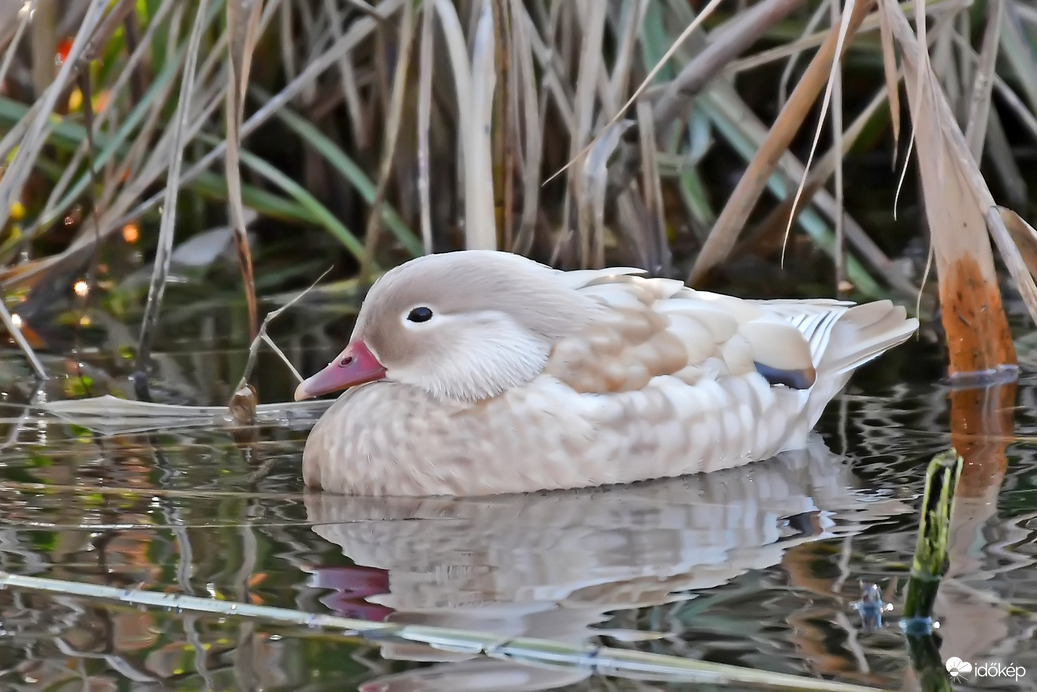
728 567
554 565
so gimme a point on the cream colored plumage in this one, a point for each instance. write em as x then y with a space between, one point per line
485 372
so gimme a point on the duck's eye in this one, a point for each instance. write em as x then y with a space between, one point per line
421 314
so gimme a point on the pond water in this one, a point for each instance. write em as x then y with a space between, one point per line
757 567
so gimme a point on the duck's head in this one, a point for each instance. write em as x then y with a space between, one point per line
462 325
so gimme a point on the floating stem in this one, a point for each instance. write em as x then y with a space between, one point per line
599 660
930 560
929 566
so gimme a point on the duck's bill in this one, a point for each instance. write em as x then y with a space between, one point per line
355 365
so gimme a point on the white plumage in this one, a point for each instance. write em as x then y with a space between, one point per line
527 378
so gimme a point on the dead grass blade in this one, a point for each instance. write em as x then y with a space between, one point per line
44 38
532 125
22 24
836 92
810 29
480 218
457 50
889 70
9 12
631 21
588 180
392 133
167 227
358 121
744 131
736 212
31 143
428 15
726 42
688 31
128 208
938 11
243 26
860 243
58 201
983 81
957 202
505 136
594 173
1023 235
826 100
656 255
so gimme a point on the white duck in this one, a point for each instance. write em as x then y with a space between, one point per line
485 372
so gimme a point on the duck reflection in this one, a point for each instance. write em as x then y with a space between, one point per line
554 565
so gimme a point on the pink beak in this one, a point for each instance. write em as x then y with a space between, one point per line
355 365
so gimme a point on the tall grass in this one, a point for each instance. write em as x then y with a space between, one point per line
690 136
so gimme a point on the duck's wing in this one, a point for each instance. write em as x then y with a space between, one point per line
842 337
658 327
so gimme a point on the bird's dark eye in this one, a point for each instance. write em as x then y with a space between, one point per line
421 314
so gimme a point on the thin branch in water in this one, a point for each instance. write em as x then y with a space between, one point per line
243 403
601 660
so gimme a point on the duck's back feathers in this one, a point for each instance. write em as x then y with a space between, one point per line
659 327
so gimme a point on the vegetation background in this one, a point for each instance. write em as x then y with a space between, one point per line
161 160
226 148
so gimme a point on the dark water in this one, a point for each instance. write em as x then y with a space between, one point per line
757 567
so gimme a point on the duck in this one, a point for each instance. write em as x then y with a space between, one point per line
483 372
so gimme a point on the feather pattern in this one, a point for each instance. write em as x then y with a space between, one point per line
528 378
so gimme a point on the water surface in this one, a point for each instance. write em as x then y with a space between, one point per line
757 567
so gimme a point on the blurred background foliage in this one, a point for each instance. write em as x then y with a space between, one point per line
361 134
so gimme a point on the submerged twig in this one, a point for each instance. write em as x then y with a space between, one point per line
242 405
630 664
253 349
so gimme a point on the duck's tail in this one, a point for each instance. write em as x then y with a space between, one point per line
843 337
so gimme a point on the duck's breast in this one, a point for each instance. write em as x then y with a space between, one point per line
390 439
